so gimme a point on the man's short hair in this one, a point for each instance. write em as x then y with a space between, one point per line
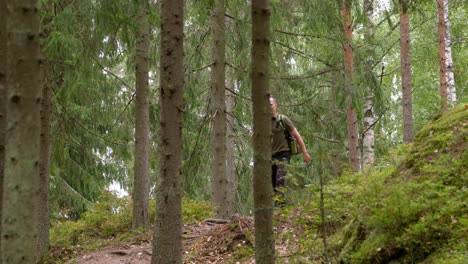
274 98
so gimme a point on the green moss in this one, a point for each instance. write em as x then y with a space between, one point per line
413 212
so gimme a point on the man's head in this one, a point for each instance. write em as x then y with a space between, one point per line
273 105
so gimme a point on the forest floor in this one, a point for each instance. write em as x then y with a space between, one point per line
211 241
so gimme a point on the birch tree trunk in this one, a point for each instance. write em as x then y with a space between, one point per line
230 151
442 57
3 87
369 118
451 88
351 116
262 187
219 181
408 134
141 190
22 152
167 242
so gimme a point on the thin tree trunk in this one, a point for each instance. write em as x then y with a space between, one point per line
442 56
22 152
219 182
262 188
230 151
351 116
167 243
43 220
368 140
3 87
369 118
451 88
141 190
42 212
408 134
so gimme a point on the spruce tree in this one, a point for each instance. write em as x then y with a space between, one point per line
22 138
260 87
141 190
167 242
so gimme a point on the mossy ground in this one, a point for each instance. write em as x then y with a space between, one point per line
414 211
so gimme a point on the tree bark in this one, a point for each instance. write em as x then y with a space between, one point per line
351 116
219 181
3 87
408 134
442 56
451 88
140 194
42 212
230 151
369 118
262 187
22 152
167 243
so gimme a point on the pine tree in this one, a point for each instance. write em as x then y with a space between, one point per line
351 115
262 188
141 190
408 134
167 243
22 150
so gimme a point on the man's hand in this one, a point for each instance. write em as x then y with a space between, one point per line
306 157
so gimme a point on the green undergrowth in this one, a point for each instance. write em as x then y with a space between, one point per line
411 208
108 223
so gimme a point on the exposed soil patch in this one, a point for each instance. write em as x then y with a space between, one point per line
211 241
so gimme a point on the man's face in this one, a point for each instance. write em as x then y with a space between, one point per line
273 106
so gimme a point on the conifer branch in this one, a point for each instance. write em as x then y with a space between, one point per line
304 35
301 77
235 68
74 192
112 74
203 67
125 108
237 94
64 110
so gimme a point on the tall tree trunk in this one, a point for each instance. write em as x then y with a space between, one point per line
451 88
141 190
262 187
408 134
22 152
3 83
442 56
351 116
167 243
230 154
219 182
42 209
369 118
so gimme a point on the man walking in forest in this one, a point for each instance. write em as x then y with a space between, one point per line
281 126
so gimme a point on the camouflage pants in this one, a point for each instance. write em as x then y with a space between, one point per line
280 162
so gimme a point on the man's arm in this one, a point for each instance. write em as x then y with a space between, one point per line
299 140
